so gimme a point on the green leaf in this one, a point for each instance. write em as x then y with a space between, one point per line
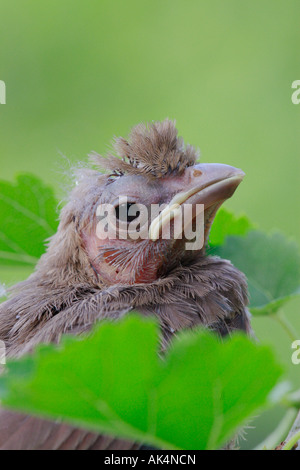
114 382
28 217
225 224
271 264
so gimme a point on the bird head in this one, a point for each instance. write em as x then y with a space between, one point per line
156 207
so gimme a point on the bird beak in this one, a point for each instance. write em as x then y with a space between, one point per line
208 184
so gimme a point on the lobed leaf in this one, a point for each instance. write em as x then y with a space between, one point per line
28 218
225 224
114 382
271 264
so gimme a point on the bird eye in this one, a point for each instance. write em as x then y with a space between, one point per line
127 212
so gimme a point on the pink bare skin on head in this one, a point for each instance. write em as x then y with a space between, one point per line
207 184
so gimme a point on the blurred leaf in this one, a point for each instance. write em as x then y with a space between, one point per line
114 382
28 218
292 399
271 264
225 224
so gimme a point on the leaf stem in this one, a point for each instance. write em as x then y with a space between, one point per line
292 441
280 433
294 435
286 325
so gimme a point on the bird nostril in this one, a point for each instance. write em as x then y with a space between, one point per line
197 173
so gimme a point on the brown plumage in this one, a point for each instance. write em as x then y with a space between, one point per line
82 279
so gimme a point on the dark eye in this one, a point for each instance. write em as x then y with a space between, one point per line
127 212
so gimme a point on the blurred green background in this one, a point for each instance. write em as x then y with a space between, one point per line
79 72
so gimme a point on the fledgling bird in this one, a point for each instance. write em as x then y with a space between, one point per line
83 278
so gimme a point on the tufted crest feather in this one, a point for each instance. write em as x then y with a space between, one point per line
154 150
